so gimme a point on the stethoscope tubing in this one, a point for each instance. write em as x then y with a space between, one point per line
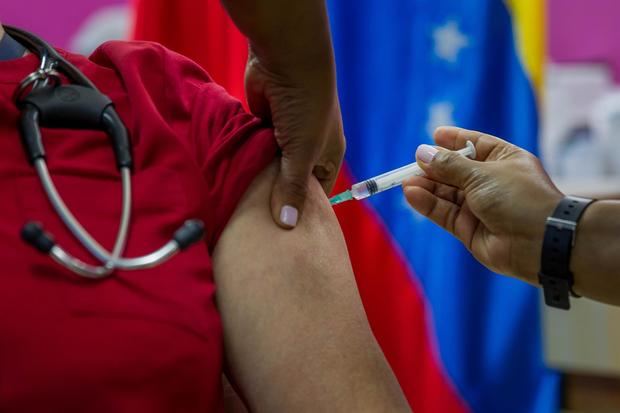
51 65
71 222
112 260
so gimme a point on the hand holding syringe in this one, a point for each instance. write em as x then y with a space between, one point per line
389 180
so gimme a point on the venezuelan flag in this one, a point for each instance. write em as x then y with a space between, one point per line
458 337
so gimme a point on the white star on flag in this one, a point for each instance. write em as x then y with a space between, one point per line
439 114
449 41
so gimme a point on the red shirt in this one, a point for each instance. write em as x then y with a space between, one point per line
142 341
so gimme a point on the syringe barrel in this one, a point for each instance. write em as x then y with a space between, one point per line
396 177
385 181
364 189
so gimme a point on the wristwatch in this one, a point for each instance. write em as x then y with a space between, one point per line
560 230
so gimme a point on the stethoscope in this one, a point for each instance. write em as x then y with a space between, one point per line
45 102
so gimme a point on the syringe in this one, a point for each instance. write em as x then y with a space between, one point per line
389 180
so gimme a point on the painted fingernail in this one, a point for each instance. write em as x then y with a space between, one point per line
426 153
288 215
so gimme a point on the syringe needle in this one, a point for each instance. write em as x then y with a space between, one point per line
341 197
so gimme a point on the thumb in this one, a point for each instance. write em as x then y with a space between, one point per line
290 189
447 167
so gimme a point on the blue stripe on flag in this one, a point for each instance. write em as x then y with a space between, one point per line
405 66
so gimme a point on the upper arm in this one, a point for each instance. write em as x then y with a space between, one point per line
295 332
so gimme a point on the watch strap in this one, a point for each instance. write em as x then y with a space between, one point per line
560 230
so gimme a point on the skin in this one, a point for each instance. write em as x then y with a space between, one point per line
497 206
310 348
291 81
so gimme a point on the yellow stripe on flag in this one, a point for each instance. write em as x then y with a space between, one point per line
528 18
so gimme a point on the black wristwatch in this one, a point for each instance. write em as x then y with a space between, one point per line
560 230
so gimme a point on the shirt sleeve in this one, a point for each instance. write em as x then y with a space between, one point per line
234 146
230 145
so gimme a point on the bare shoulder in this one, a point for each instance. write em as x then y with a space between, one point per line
317 241
318 216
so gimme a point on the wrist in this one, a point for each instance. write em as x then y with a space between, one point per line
317 65
588 234
596 254
556 276
528 246
317 86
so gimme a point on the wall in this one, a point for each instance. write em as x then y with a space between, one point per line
58 21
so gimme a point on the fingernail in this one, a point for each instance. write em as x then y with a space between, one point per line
288 215
426 153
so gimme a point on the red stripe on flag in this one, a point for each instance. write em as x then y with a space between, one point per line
395 308
200 30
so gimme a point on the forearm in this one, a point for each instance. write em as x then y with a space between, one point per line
286 34
595 259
